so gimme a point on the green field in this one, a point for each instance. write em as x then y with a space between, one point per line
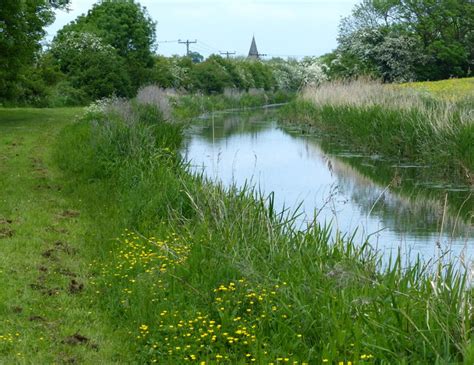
452 89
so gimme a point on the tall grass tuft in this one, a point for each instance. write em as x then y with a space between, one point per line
158 97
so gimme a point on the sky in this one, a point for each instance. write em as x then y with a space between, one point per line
282 28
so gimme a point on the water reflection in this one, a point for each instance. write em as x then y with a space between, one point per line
394 209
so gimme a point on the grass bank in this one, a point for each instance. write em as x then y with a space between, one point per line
49 241
47 311
190 272
399 122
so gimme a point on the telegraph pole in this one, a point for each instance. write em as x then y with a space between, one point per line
227 54
187 43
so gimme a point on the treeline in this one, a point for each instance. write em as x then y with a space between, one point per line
405 40
110 51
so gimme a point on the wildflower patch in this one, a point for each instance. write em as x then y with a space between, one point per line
232 330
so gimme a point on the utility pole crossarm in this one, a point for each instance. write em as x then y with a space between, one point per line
187 43
227 54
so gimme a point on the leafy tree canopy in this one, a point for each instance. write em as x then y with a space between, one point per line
196 57
124 25
91 65
22 25
401 40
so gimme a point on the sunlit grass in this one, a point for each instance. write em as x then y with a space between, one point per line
452 89
41 250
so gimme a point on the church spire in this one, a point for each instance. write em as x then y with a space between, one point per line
253 53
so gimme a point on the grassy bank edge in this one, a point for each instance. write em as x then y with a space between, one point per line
332 294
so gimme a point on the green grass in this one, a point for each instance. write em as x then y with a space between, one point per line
42 235
190 272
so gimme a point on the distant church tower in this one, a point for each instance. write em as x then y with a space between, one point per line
253 53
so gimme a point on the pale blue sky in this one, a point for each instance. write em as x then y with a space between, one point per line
281 27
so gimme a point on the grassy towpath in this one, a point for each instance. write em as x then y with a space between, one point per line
47 313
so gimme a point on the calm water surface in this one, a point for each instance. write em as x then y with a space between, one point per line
346 189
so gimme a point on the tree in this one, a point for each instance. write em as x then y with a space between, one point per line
234 79
161 74
446 31
126 26
409 39
21 29
91 64
210 77
196 57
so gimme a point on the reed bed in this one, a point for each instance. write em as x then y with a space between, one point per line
398 122
188 271
367 94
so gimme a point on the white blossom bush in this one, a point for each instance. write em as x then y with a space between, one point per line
67 47
245 74
389 55
179 73
97 108
293 74
91 64
313 71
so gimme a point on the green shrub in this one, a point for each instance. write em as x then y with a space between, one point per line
64 94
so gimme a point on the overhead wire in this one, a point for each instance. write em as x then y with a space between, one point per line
207 49
200 49
176 41
289 55
209 46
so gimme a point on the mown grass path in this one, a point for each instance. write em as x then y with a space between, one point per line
47 313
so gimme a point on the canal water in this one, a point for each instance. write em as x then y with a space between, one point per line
395 206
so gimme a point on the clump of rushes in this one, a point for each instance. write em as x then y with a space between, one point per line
210 275
399 122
